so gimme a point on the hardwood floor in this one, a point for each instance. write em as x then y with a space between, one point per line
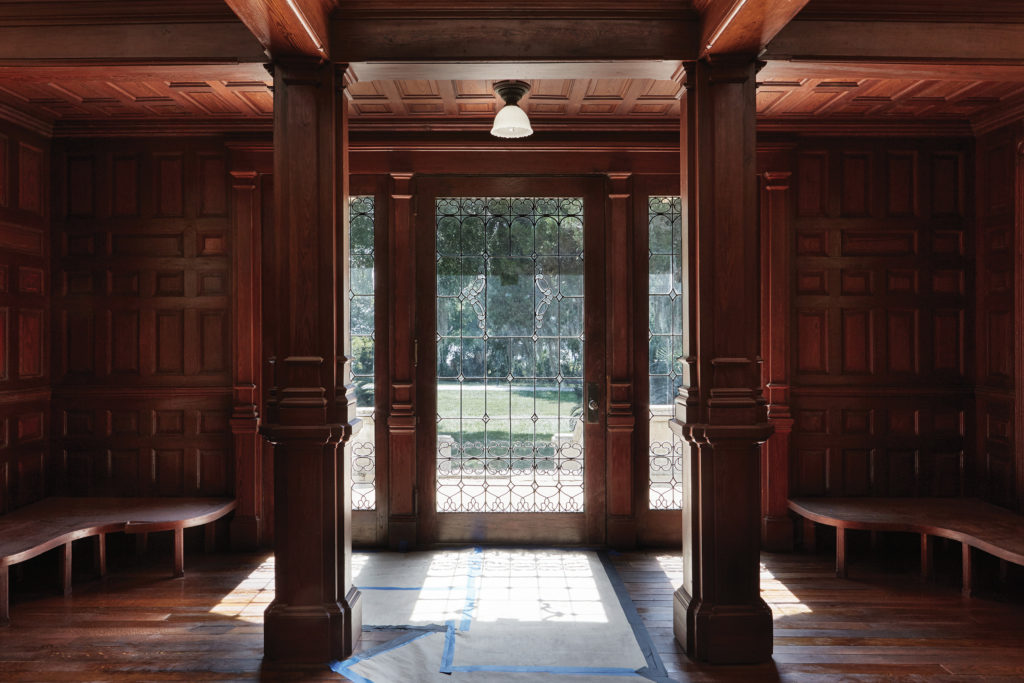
139 624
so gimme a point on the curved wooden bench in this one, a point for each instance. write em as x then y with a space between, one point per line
972 522
56 522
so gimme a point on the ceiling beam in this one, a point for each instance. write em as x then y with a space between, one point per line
935 43
742 26
288 28
485 48
795 70
136 43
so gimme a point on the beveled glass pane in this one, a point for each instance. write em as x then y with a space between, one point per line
449 398
659 276
449 317
510 327
661 314
473 360
449 357
449 276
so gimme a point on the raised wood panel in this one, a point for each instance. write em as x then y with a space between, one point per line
24 316
143 392
32 179
997 461
879 447
5 174
857 350
882 374
145 272
123 445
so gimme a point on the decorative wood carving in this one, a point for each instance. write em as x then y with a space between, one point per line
720 411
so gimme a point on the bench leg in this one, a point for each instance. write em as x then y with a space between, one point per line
179 552
927 557
65 568
841 552
210 536
808 539
101 554
5 605
968 587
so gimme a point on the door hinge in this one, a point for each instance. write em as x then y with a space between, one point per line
415 352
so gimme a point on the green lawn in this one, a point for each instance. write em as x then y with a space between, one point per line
510 412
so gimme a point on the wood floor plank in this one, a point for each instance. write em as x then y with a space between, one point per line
139 624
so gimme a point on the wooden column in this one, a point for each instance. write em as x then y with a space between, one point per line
245 418
776 246
619 397
402 472
316 614
719 614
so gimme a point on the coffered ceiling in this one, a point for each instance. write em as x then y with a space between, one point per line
83 96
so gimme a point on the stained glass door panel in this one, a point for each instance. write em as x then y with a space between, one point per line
510 354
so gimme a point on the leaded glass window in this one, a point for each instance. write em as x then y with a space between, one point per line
509 354
665 344
361 312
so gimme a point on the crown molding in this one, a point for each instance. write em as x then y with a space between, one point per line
27 121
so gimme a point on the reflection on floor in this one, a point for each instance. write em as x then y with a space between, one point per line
137 624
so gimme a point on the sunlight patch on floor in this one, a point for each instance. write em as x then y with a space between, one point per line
538 586
249 599
781 600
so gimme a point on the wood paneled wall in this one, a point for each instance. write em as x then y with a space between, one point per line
880 360
999 464
24 316
142 315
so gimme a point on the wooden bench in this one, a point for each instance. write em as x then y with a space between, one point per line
56 522
972 522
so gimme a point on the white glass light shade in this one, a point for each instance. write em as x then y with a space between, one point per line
511 122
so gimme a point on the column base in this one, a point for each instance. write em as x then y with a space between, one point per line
776 533
722 634
313 634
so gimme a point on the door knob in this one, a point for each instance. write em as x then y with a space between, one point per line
592 404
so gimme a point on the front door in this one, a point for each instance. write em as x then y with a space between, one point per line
510 359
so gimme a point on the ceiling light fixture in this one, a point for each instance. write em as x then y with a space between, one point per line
511 121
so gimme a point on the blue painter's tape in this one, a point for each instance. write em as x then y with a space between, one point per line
558 670
655 669
349 673
407 588
476 566
449 649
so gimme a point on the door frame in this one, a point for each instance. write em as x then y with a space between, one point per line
588 527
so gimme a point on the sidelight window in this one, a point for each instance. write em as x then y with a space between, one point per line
361 321
665 348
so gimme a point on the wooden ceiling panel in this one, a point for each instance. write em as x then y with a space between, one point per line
237 94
